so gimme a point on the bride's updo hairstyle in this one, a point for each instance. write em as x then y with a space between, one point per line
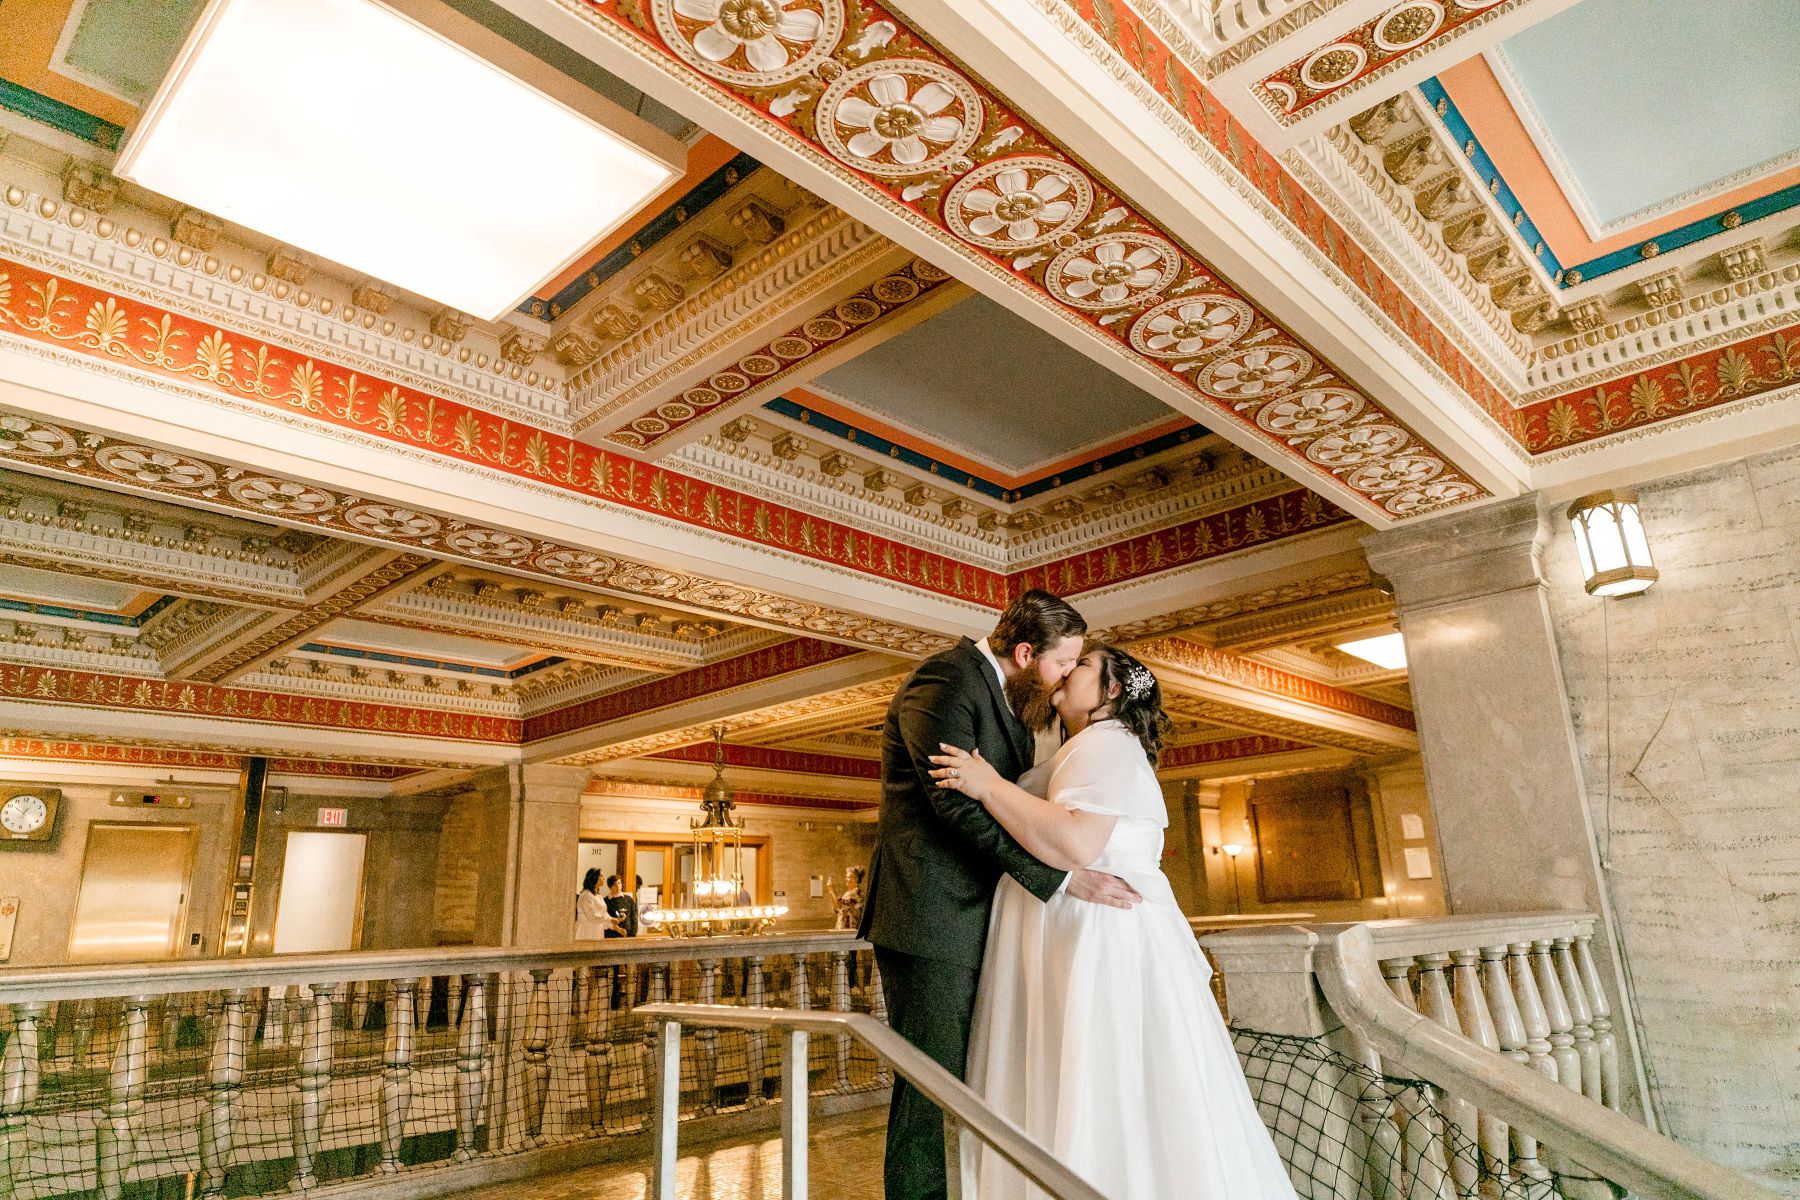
1139 704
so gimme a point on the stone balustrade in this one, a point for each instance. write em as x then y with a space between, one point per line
254 1076
1448 1057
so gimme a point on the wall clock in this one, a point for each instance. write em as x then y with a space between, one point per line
28 814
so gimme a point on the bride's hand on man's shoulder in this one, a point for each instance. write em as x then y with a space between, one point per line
966 772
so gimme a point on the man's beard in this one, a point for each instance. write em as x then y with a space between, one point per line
1030 699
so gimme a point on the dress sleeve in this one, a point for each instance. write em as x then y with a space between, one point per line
1100 774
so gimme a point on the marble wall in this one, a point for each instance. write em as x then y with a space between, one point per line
1686 708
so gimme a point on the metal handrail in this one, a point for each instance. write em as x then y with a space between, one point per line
963 1109
1601 1140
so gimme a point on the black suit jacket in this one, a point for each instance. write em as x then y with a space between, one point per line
938 854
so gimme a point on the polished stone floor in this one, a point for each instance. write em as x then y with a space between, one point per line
845 1161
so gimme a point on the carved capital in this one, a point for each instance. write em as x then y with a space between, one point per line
197 229
88 186
704 258
372 296
520 347
758 222
293 266
451 325
656 292
615 322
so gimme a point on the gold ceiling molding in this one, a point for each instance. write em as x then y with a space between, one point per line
364 583
1339 613
808 267
1104 49
739 232
1445 208
1339 582
1255 720
908 290
863 697
117 463
24 639
130 251
1240 369
52 748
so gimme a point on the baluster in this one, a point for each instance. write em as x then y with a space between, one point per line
356 1004
840 1002
884 1075
471 1052
1435 1002
397 1071
1531 1010
756 1042
225 1085
1581 1013
1398 973
275 1016
312 1094
802 984
537 1052
114 1136
598 1059
707 1040
422 1004
1425 1164
1376 1116
171 1024
83 1039
1478 1026
1535 1049
1604 1040
658 992
20 1075
1556 1013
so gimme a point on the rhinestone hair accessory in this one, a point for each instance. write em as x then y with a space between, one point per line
1138 681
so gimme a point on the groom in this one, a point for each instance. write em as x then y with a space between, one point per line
938 854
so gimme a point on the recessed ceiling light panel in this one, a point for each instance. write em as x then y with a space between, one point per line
358 134
1387 651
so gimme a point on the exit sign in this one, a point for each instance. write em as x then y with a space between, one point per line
334 818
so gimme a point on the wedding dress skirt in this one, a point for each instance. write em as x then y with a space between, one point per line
1095 1030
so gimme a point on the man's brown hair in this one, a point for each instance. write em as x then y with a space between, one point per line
1038 619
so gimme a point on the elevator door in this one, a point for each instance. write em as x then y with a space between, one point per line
133 896
320 906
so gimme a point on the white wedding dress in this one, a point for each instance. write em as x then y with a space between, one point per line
1095 1030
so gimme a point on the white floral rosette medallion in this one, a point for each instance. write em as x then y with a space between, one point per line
752 43
898 117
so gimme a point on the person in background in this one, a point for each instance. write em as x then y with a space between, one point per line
849 902
622 907
849 906
593 918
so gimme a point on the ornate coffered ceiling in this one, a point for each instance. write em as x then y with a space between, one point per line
732 467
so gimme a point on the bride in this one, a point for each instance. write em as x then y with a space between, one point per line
1095 1031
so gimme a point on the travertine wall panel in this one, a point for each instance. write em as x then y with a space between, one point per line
1686 705
458 876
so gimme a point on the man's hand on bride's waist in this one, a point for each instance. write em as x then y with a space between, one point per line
1097 887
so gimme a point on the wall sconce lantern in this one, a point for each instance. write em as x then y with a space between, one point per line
1609 537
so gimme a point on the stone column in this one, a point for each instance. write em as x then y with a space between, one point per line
397 874
1404 821
1184 850
531 824
1501 763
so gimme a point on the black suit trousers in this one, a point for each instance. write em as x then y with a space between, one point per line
930 1003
